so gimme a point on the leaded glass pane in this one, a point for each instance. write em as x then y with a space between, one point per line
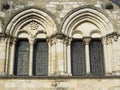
78 58
22 58
40 64
96 58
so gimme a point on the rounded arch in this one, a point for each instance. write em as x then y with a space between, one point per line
43 17
95 31
87 14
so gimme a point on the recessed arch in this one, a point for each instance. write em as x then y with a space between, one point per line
77 34
91 20
89 14
95 35
31 14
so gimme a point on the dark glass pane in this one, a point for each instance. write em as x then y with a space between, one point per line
22 58
96 58
78 58
40 64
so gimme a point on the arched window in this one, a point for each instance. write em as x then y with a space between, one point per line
78 58
40 62
96 57
21 65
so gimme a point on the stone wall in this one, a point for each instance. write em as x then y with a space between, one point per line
60 84
59 9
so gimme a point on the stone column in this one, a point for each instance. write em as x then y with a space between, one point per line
52 58
109 54
31 57
49 57
69 56
60 59
2 55
12 55
87 56
7 55
107 68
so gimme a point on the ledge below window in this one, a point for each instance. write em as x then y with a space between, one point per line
59 77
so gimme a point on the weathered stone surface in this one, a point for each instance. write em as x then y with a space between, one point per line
59 22
60 84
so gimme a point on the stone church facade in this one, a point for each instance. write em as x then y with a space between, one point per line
60 45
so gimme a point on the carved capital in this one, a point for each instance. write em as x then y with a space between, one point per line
104 40
31 40
68 40
13 40
112 37
51 41
109 40
87 40
2 39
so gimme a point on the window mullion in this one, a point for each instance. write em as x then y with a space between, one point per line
11 66
87 55
68 57
31 58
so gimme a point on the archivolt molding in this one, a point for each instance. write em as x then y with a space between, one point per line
1 25
87 14
31 15
83 19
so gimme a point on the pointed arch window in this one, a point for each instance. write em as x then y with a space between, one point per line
78 58
21 65
96 57
40 62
